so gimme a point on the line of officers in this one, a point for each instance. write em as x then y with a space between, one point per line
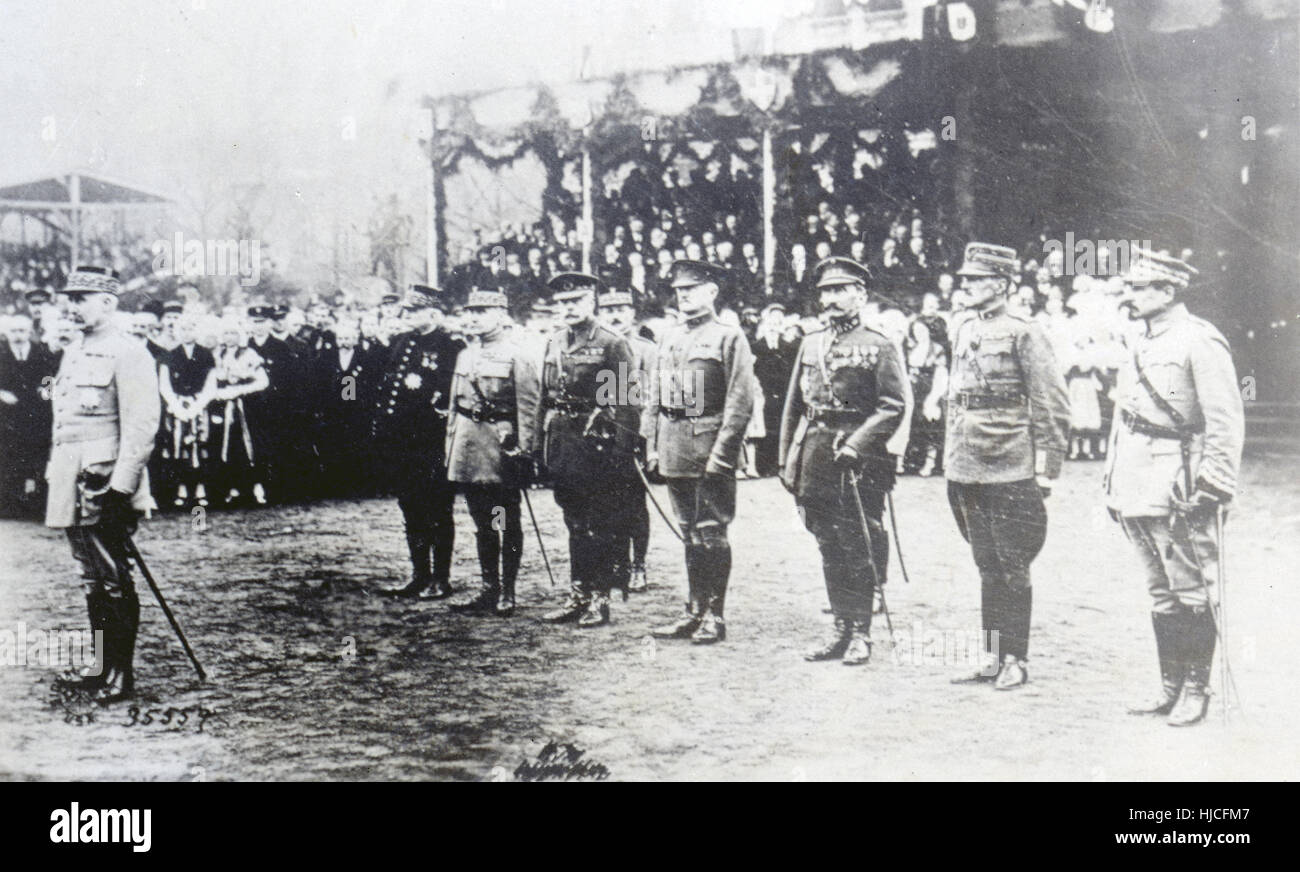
608 412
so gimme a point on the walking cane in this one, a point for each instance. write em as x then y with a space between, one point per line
871 554
1223 611
134 554
538 530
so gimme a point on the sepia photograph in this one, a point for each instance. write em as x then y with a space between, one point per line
674 391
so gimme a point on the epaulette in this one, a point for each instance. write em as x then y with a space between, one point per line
1210 330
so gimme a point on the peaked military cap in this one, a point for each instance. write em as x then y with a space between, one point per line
569 285
389 299
835 271
173 306
36 296
261 312
422 297
615 298
486 300
689 273
1149 267
93 280
987 259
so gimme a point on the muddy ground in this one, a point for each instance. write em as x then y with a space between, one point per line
314 676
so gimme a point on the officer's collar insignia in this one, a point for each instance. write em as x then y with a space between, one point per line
846 323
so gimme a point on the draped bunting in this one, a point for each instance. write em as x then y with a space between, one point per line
744 99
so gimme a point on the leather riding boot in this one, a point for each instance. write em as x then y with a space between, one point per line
489 555
858 651
713 581
123 623
1199 638
685 626
836 643
511 554
88 677
1168 629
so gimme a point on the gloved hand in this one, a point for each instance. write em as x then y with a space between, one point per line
1204 499
718 473
848 459
1044 485
506 438
116 512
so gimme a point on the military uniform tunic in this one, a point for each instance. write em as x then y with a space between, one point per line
410 425
106 416
848 389
701 399
1007 420
589 430
698 408
1007 410
1187 363
495 393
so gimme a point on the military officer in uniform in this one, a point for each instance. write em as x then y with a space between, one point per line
1175 450
106 416
1006 436
410 429
846 398
588 430
495 394
699 403
619 314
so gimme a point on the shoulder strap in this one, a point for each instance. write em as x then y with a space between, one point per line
1180 422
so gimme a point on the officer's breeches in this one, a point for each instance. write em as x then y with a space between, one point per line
1006 525
597 531
499 533
104 562
111 601
704 507
847 563
1180 560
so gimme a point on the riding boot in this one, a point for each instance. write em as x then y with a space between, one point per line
715 574
685 627
123 623
1168 629
489 557
1199 638
88 677
512 553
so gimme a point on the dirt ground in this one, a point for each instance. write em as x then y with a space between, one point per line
313 676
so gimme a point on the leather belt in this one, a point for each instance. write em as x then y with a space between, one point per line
981 400
570 406
1137 424
832 416
480 415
